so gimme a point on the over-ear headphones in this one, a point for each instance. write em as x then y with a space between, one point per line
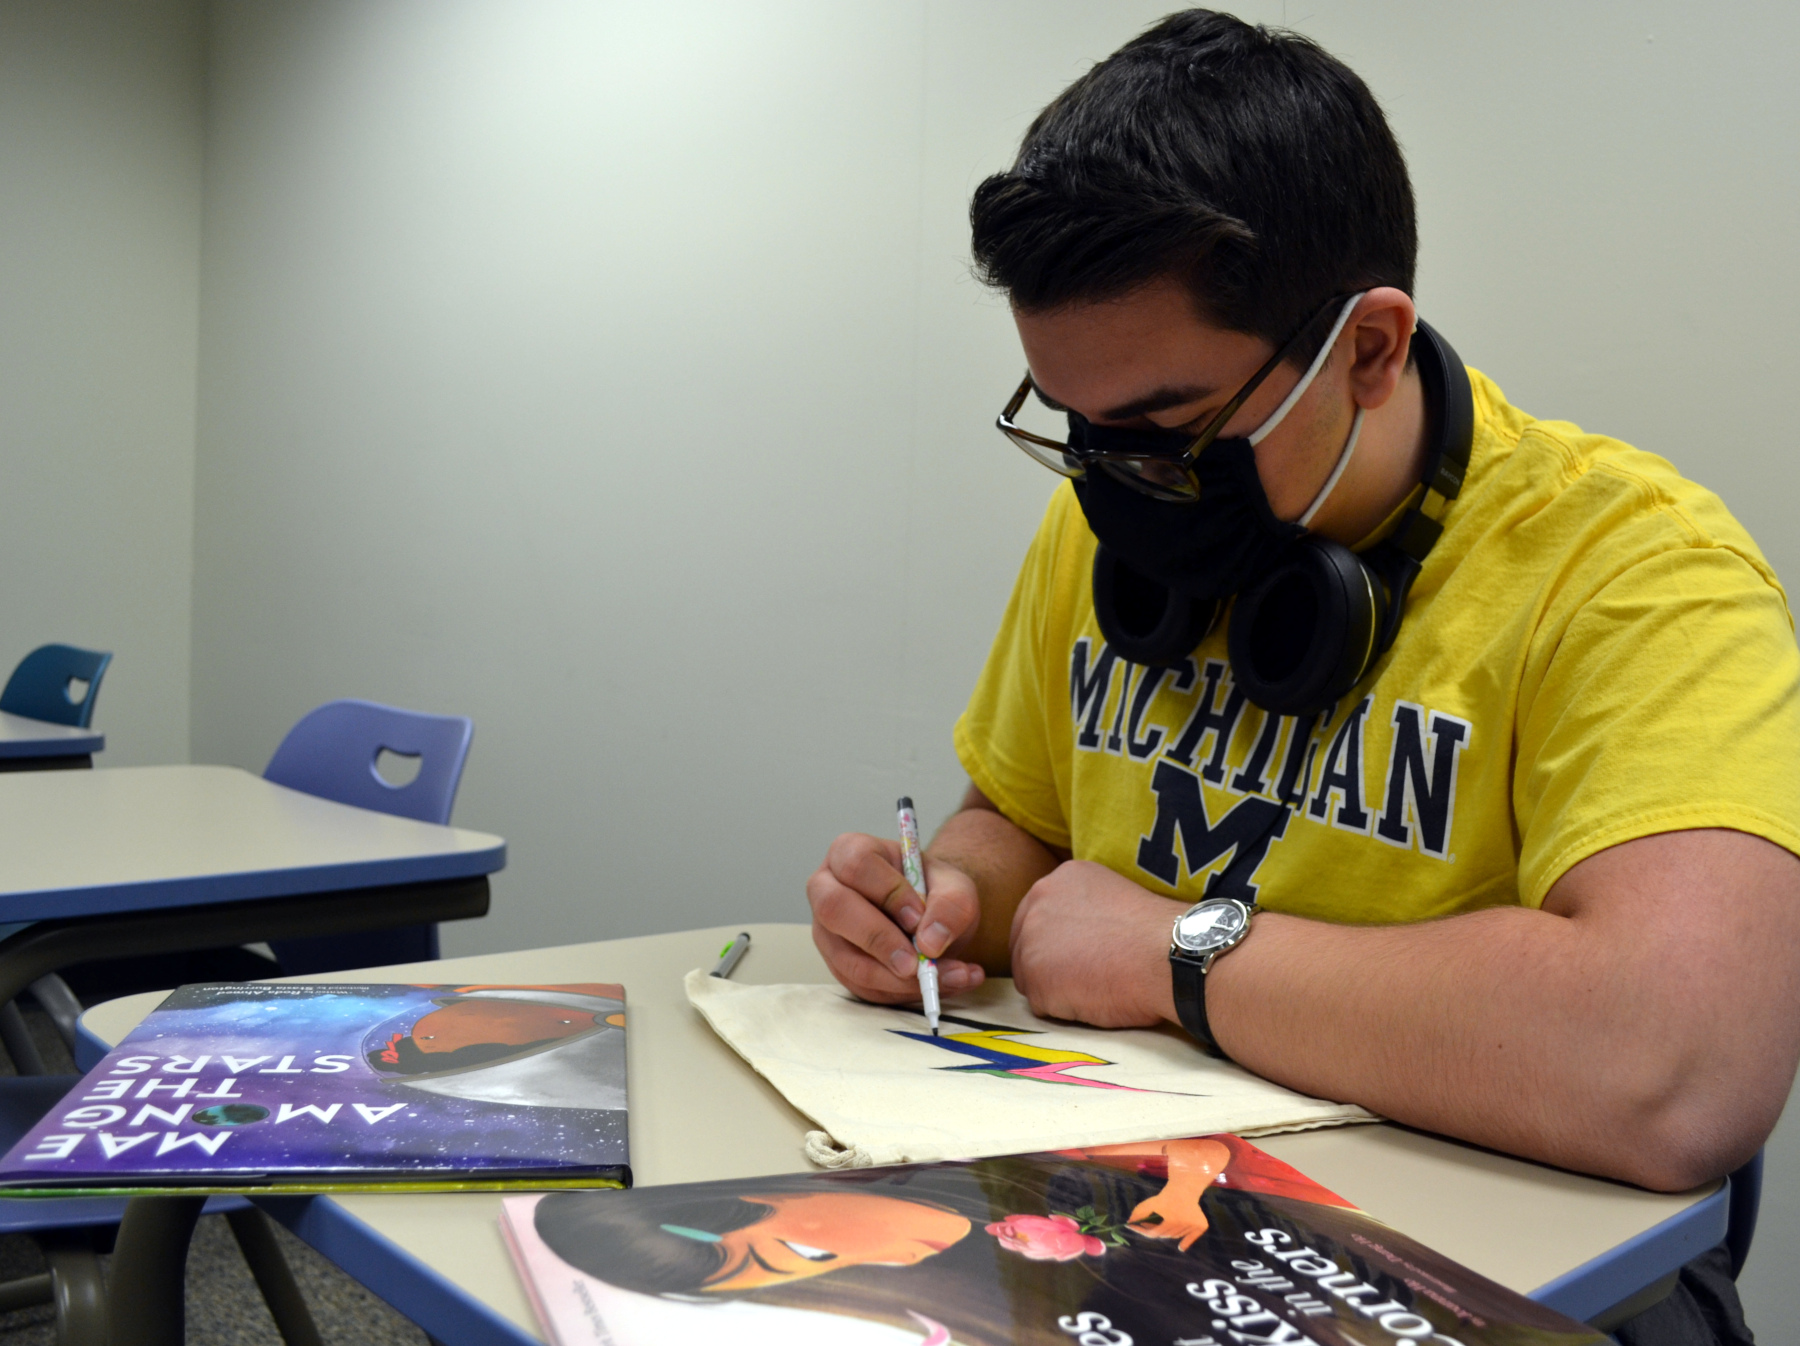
1308 631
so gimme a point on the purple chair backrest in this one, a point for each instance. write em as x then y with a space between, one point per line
333 750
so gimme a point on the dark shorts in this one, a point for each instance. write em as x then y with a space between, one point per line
1702 1310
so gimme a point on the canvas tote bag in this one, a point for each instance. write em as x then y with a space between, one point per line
998 1079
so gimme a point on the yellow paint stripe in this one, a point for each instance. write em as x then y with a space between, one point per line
999 1041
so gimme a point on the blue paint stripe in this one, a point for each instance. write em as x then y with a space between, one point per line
981 1052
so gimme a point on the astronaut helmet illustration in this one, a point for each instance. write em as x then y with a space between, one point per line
521 1046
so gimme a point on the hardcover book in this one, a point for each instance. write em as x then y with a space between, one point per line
346 1087
1205 1241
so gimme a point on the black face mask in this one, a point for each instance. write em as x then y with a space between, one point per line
1309 617
1214 547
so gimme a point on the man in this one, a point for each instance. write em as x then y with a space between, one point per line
1529 877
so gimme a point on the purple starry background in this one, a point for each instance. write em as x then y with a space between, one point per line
431 1135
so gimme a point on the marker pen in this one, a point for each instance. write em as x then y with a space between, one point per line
729 955
912 864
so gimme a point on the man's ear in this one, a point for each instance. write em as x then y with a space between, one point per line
1380 330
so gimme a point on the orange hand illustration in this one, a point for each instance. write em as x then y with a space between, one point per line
1178 1214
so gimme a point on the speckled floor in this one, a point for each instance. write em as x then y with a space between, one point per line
223 1306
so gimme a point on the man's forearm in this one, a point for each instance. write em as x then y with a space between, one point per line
1004 860
1465 1026
1529 1032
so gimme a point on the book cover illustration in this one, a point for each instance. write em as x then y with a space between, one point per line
316 1085
1204 1241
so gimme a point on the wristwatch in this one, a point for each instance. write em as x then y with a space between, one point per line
1203 932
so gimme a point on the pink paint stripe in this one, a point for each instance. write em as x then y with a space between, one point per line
1051 1072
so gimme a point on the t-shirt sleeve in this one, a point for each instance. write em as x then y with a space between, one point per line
1669 700
1003 737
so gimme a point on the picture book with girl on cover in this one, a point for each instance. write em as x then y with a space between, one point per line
346 1087
1205 1241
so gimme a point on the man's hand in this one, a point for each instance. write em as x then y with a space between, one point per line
1092 946
864 910
977 869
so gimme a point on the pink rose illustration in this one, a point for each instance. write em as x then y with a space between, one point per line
1045 1238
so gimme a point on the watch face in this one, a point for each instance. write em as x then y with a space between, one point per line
1211 925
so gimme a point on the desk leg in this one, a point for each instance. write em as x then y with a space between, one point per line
147 1294
256 1238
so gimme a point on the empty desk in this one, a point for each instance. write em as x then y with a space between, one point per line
38 745
162 859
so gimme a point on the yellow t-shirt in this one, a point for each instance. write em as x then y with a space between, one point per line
1594 651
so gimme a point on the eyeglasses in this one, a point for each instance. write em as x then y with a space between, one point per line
1166 475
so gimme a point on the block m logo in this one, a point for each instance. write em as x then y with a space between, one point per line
1246 832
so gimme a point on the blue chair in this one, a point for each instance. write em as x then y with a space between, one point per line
333 753
40 686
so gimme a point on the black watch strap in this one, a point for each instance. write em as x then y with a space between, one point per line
1190 1000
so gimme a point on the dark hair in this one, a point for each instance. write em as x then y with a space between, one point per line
628 1243
1246 162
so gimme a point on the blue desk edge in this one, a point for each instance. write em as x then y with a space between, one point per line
85 744
116 899
1596 1285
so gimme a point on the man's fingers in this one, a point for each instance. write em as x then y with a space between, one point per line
853 918
903 904
860 973
951 911
955 977
864 910
868 979
871 866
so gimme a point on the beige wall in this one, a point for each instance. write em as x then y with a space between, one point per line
100 108
612 373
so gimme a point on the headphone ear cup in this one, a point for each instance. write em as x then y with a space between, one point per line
1144 621
1305 634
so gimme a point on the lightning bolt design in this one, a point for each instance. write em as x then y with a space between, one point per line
997 1053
